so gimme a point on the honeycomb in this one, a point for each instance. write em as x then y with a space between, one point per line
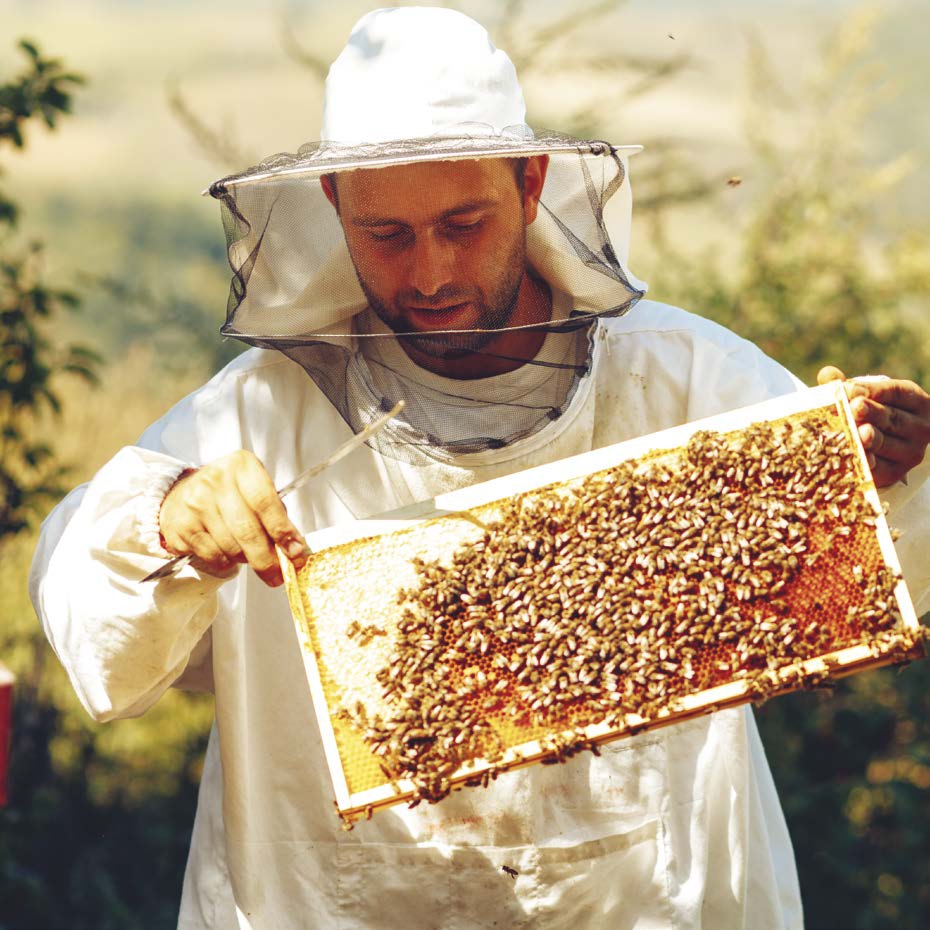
737 565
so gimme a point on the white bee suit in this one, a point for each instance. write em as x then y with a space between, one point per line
679 828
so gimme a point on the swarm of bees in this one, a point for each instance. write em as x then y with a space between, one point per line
627 590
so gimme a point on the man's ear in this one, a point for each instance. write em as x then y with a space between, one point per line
533 180
328 183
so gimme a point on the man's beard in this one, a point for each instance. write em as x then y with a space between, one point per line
493 314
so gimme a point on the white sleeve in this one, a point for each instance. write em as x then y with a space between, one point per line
122 642
734 373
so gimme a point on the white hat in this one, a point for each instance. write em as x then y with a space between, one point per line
418 84
414 72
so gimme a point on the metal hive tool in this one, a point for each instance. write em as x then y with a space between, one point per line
540 614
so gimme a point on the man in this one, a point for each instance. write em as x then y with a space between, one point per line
468 272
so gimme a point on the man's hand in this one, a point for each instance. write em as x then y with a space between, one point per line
229 512
894 423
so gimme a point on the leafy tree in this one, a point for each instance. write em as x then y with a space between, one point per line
30 360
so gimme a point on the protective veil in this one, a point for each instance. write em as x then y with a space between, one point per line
298 284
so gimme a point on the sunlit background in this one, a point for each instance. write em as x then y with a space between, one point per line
784 190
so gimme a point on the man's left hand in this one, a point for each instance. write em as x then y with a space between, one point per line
893 419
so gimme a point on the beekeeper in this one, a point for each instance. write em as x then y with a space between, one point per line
431 248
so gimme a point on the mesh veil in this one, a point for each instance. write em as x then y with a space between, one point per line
342 292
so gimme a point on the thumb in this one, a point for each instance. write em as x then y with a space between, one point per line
830 373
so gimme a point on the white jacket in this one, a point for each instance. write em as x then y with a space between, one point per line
676 828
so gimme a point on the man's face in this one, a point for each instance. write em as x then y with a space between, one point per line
439 246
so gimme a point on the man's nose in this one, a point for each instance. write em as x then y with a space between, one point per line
431 264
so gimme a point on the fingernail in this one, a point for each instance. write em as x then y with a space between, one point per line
856 390
295 550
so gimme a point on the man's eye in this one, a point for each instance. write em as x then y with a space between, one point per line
387 235
464 227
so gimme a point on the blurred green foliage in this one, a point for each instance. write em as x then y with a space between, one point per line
78 808
43 90
31 362
167 285
99 822
151 272
853 773
818 277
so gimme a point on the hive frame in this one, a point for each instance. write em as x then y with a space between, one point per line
353 806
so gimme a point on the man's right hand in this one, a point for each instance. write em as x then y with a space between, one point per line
229 512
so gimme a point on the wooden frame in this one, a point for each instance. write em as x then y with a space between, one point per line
455 505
